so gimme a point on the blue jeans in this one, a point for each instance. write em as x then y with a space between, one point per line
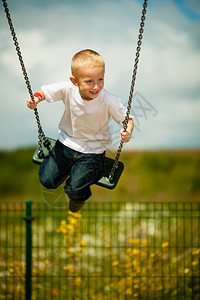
80 170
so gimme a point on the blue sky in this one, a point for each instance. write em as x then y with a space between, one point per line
167 91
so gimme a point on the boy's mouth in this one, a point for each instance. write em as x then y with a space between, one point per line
94 93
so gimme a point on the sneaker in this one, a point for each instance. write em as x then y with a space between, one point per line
75 206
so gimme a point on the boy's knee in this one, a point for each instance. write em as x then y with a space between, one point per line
45 177
47 184
47 181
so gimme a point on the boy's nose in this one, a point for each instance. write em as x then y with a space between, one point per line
95 86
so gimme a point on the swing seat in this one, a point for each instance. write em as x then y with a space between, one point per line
103 181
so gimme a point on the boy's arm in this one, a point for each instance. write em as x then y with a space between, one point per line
126 135
38 97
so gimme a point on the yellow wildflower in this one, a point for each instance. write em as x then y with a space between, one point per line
63 223
196 252
70 227
128 265
128 250
129 291
115 263
136 251
165 244
77 281
72 221
135 262
77 215
68 268
46 261
11 270
134 241
83 244
136 286
144 242
63 230
70 251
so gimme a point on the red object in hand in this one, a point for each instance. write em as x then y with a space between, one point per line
38 95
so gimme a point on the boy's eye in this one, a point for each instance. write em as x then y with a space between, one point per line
89 81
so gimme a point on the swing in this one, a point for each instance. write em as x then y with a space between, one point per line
108 163
113 168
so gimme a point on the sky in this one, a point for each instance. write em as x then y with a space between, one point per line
166 102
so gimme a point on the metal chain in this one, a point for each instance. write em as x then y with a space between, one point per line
139 43
41 135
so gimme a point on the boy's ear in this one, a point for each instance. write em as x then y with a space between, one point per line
73 80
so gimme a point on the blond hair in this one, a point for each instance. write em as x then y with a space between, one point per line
89 58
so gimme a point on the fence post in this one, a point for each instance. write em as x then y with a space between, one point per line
28 279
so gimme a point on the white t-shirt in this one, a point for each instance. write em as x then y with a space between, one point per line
84 126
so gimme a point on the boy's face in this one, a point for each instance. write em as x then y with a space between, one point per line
90 81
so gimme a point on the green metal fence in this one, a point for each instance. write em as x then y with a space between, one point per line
107 251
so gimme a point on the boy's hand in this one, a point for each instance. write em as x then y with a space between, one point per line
125 135
38 97
32 104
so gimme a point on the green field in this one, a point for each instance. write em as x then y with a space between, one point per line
148 176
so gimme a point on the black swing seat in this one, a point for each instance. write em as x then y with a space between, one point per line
103 181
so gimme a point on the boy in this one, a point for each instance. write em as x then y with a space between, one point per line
83 130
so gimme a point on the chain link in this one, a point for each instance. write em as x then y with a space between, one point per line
139 43
41 135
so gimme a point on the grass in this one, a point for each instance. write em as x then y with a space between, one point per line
148 176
